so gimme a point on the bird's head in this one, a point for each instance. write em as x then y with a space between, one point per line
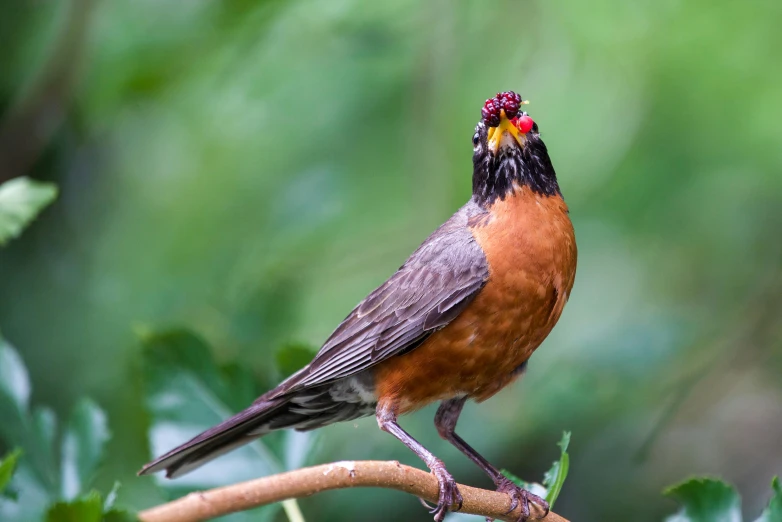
508 153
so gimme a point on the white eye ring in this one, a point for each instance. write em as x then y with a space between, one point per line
476 138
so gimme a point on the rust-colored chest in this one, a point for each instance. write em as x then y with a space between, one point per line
530 247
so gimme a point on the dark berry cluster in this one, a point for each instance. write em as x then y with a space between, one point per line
491 112
509 101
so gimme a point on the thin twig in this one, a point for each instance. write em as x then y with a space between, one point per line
339 475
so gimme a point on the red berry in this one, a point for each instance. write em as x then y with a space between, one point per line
491 112
524 123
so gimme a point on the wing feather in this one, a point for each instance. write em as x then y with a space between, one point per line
430 290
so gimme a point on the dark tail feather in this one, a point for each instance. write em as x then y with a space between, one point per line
302 409
241 429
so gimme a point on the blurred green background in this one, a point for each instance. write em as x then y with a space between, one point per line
252 169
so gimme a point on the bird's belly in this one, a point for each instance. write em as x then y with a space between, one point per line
482 350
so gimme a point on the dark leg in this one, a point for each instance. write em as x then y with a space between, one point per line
449 493
445 420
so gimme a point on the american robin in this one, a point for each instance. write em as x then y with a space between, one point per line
457 321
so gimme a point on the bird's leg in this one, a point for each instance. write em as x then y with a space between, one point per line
449 493
445 421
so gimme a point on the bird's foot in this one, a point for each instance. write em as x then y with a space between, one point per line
520 496
449 493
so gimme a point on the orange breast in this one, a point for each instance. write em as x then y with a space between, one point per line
530 246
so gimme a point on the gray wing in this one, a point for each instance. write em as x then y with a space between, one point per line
434 285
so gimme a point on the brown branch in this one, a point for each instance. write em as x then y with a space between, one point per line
308 481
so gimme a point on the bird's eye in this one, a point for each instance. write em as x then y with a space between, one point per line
476 138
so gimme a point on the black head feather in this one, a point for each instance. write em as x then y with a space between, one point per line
526 165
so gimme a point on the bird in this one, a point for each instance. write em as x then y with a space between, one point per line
457 321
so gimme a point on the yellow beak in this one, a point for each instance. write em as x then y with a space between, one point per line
504 134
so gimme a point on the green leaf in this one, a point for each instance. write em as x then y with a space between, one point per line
516 480
705 499
111 498
32 432
29 499
532 487
180 354
773 513
7 468
83 446
40 478
21 199
14 384
88 508
42 436
292 357
555 477
186 392
119 515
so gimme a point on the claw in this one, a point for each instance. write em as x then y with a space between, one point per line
539 501
425 504
514 501
449 494
520 496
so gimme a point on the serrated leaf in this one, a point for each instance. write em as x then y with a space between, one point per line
185 393
705 500
773 513
40 478
7 468
555 477
292 357
21 200
88 508
32 432
83 447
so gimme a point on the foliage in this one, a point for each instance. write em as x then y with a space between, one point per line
21 199
187 391
50 477
87 508
7 468
705 499
554 478
773 513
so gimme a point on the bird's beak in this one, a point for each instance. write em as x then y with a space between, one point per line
504 135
